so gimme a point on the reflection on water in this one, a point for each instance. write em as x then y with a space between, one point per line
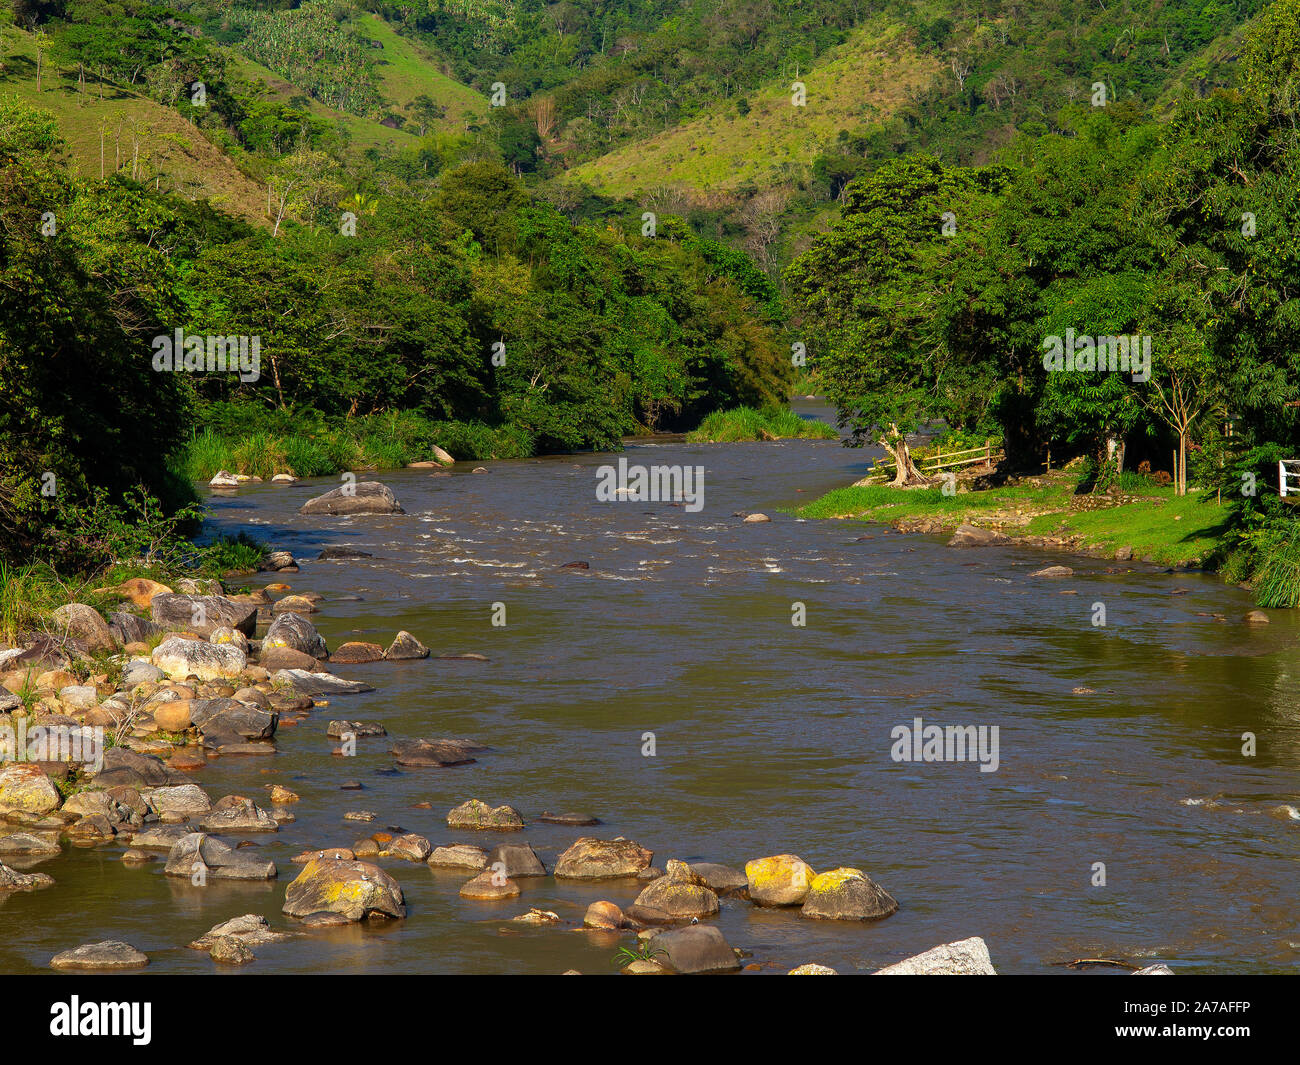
770 738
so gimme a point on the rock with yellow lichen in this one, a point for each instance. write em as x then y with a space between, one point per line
353 890
782 880
847 895
678 895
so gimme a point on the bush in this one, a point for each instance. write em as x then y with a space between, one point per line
747 423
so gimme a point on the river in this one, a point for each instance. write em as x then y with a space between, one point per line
770 738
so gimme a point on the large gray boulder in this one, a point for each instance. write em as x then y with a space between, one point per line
292 631
84 624
203 614
130 628
123 766
232 718
180 658
966 957
365 497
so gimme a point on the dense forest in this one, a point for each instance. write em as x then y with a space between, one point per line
416 209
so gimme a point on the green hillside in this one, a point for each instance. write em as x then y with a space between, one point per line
767 138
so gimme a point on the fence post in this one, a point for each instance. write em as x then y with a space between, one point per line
1281 478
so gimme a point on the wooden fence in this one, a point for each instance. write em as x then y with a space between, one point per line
966 457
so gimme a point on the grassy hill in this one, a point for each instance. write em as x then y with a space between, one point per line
108 132
407 70
863 81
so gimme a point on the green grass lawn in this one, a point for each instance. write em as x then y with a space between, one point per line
1158 525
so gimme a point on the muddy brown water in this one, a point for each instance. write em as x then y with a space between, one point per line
770 738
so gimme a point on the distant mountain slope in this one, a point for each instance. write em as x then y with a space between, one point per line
864 80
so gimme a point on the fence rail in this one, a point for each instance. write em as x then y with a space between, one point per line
938 461
1291 489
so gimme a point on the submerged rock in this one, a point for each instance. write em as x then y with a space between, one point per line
479 815
106 955
458 856
439 753
974 536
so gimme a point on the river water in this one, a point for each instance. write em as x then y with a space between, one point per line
769 738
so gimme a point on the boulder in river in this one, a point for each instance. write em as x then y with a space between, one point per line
278 658
410 847
251 929
364 497
678 895
603 915
12 880
25 788
489 885
319 683
476 814
1053 572
699 948
782 880
847 895
107 955
197 853
293 631
357 652
235 813
458 856
405 647
352 890
602 859
515 860
966 957
135 769
231 717
722 879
